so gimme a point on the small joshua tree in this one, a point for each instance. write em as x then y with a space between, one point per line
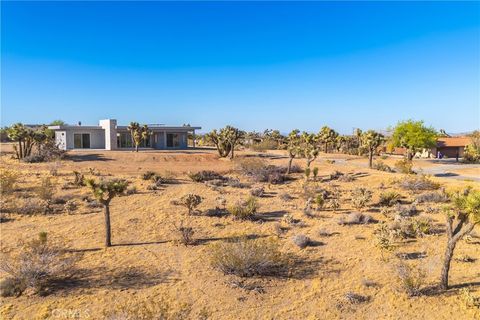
309 147
462 216
371 140
138 133
315 173
190 201
225 140
105 191
293 147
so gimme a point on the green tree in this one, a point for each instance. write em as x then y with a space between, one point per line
293 147
104 191
462 216
414 136
57 123
371 140
138 133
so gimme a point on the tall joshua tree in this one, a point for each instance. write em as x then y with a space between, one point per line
371 140
25 137
462 216
225 140
138 133
104 191
293 147
327 136
358 134
309 147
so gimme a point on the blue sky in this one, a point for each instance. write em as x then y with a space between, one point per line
253 65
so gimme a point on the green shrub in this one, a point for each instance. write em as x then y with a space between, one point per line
404 166
248 257
244 209
360 197
389 198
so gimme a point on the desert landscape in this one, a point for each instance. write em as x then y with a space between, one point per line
338 271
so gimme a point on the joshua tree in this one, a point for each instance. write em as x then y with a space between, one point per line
293 147
358 134
105 191
138 133
414 136
371 140
225 140
327 136
26 138
462 216
309 147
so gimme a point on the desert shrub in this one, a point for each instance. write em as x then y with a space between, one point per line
37 266
70 206
412 227
361 197
346 178
320 201
324 232
264 145
259 171
407 210
244 209
301 241
315 173
334 204
468 299
34 158
79 179
349 300
184 234
234 183
335 175
389 198
248 257
307 172
257 191
53 168
404 166
381 166
410 278
384 238
418 183
147 309
472 153
147 175
356 218
434 197
190 201
8 180
11 287
46 189
285 196
205 175
94 204
221 202
31 206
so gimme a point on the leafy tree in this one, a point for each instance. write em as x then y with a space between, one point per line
226 139
414 136
309 147
472 151
104 191
58 123
462 216
293 147
138 133
327 136
371 140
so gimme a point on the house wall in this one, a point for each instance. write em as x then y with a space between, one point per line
110 127
97 137
61 140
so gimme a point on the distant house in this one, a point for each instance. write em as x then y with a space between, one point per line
110 136
448 147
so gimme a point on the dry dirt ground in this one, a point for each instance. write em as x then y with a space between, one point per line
146 265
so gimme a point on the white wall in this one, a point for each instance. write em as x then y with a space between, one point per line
97 137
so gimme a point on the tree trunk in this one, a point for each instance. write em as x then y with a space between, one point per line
108 242
136 147
289 168
309 161
20 151
232 152
326 147
370 159
446 263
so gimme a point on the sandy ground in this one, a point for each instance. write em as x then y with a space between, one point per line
144 264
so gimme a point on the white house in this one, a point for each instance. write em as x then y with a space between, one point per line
110 136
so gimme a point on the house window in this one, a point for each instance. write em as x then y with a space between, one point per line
124 140
81 140
173 140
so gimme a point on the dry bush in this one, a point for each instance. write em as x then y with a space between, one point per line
46 190
433 197
411 278
147 175
301 241
381 166
31 206
384 238
131 190
389 198
360 197
185 234
335 175
248 257
190 201
8 181
257 191
346 178
70 206
404 166
205 175
349 300
320 201
148 309
285 196
407 210
418 183
324 232
356 218
259 171
38 266
234 183
412 227
244 209
264 145
79 179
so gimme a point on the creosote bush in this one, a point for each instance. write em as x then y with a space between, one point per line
432 197
190 201
404 166
418 183
244 209
205 175
360 197
301 241
8 180
389 198
36 267
248 257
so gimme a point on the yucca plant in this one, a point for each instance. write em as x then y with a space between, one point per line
371 140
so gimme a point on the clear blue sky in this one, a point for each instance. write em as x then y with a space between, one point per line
253 65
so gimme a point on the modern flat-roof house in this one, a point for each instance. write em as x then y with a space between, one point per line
110 136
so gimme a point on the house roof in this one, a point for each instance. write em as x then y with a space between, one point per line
453 141
153 128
